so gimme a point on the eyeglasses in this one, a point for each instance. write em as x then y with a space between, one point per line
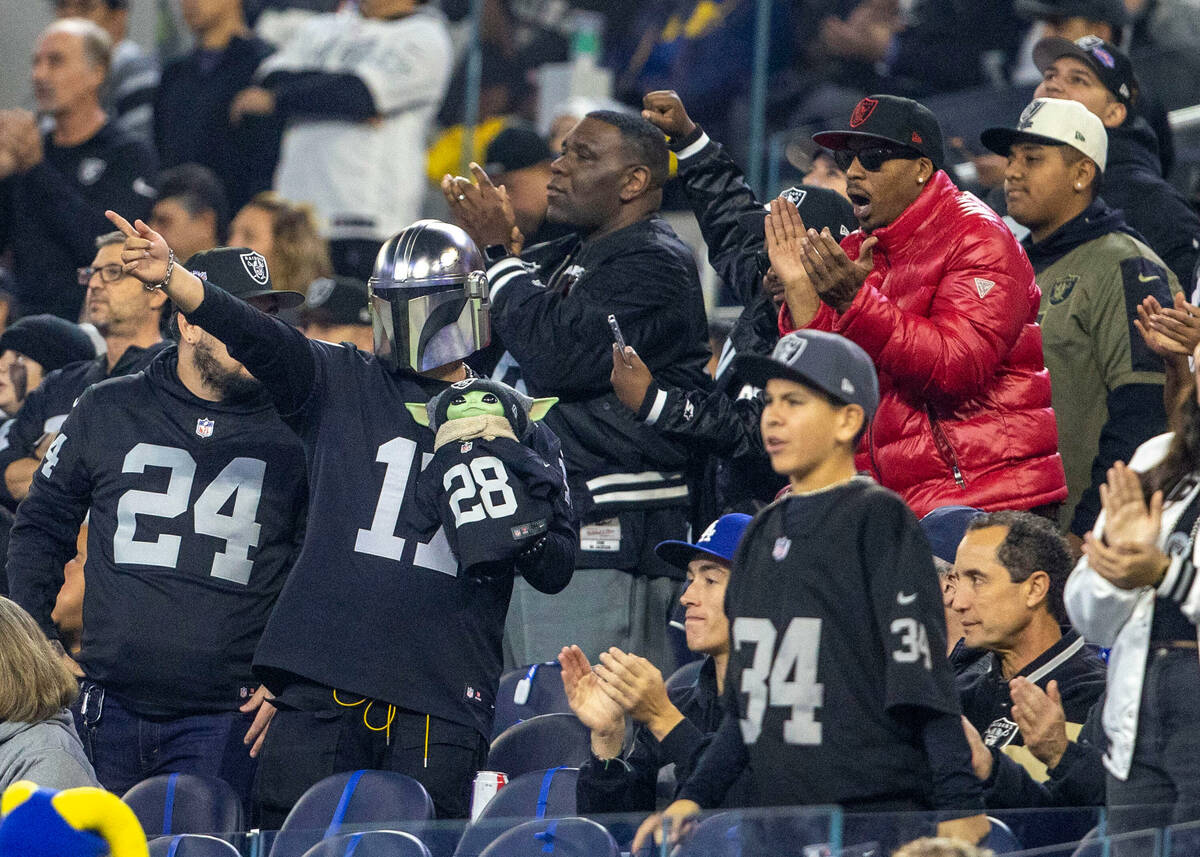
874 157
108 274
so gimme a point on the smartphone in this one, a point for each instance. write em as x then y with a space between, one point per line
618 338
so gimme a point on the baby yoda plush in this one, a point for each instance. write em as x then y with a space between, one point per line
494 495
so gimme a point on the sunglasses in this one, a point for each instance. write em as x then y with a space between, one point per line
873 157
108 274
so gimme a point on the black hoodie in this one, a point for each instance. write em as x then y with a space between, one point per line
1152 206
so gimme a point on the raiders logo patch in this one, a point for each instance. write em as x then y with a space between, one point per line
256 267
1000 732
1061 288
862 111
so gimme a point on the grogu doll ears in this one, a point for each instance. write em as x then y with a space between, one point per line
419 411
540 407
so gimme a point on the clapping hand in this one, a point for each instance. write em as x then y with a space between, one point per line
784 233
482 209
595 709
1040 717
836 277
1128 556
1169 331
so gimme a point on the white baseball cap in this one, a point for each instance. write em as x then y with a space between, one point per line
1056 122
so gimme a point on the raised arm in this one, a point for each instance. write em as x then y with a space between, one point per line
275 353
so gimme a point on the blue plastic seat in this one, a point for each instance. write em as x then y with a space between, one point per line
527 692
531 796
561 837
1000 838
185 803
371 843
542 742
356 798
191 845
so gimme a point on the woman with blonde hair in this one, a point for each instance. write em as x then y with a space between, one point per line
286 234
38 741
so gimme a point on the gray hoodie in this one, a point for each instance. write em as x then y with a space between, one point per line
49 753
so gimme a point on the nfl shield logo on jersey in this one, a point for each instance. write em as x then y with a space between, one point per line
782 545
204 428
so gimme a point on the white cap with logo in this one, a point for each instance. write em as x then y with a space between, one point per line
1057 122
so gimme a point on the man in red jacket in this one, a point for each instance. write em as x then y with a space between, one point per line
938 291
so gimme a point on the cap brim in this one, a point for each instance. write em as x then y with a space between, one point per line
835 140
1046 51
1000 140
679 554
284 298
757 370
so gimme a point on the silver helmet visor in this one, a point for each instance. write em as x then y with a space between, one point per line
425 330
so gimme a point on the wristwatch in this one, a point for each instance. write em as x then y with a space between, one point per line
493 253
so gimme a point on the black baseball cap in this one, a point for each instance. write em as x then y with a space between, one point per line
1112 12
1112 67
891 119
242 272
821 360
51 341
818 206
336 301
515 148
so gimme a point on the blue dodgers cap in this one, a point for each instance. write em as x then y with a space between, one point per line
720 540
945 528
818 359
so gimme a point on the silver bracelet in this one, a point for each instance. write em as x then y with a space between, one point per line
154 287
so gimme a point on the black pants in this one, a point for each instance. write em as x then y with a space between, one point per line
303 747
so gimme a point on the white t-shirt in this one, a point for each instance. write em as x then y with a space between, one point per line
365 179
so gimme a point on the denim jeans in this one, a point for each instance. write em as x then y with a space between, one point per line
126 748
1164 781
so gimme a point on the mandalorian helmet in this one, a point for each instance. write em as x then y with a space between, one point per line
429 297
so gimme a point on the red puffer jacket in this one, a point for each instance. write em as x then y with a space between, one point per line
948 315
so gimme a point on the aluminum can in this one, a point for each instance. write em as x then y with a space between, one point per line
486 784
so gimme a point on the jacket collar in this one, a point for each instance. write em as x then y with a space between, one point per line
1132 146
897 233
1095 221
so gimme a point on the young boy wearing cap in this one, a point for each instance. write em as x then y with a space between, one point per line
672 724
838 690
1094 271
1101 78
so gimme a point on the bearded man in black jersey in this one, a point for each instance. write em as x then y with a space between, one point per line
837 689
194 490
381 653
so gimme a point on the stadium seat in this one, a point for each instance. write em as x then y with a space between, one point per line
535 795
1000 838
518 699
350 798
372 843
562 837
185 803
191 845
684 677
716 836
545 741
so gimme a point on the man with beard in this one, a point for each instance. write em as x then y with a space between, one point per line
196 494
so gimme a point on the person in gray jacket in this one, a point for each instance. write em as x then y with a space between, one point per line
38 741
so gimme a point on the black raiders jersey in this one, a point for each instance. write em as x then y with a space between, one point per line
493 498
837 628
195 513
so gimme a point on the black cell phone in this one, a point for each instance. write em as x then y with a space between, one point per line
618 338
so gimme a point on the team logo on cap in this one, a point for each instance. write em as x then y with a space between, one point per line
795 195
708 534
319 291
256 267
1028 113
916 138
862 111
789 348
204 427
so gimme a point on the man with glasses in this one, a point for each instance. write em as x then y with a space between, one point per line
128 318
936 289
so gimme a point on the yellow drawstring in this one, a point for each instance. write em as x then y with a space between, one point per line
387 726
427 740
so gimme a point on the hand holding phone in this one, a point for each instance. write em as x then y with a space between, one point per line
618 338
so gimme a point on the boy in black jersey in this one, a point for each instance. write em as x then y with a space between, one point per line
838 690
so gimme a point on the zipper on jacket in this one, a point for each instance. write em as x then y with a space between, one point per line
944 448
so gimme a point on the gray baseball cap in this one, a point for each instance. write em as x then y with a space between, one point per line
821 360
